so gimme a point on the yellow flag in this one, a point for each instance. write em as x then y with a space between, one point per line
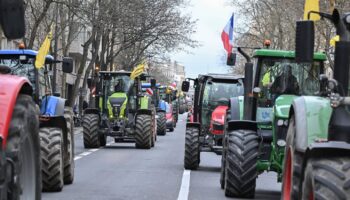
43 51
137 71
312 5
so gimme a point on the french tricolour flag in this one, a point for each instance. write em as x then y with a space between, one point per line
227 35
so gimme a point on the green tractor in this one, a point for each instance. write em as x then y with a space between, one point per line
255 142
317 161
122 111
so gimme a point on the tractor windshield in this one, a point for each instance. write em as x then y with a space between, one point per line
284 76
26 68
120 83
216 94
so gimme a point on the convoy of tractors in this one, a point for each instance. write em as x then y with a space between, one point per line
284 115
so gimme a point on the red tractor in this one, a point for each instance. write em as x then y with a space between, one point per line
20 169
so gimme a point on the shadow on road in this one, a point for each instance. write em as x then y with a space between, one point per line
209 169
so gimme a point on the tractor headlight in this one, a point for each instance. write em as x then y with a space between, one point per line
282 122
281 143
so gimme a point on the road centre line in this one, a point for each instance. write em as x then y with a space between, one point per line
185 185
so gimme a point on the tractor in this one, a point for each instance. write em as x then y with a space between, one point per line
316 165
168 94
122 111
55 120
160 107
255 142
204 131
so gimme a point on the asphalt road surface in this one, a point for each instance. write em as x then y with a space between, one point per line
121 172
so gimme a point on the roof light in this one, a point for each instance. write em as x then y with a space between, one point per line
267 43
21 46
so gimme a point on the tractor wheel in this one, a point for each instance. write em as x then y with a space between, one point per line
90 131
143 132
161 123
52 159
240 169
192 153
69 158
103 140
223 164
327 178
22 148
292 166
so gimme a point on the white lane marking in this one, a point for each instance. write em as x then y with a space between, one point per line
77 157
85 153
185 185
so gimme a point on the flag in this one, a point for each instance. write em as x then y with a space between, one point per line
137 71
312 5
227 35
43 51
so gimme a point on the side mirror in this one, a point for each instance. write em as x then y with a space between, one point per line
153 83
12 18
89 82
67 65
231 59
185 86
304 41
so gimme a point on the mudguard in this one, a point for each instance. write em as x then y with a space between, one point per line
282 106
193 124
10 87
144 112
312 115
236 108
233 125
56 122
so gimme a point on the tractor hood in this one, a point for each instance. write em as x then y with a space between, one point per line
282 105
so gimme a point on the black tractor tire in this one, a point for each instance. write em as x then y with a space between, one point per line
223 164
23 148
103 140
327 178
293 161
240 167
192 154
90 131
161 123
143 132
69 158
52 159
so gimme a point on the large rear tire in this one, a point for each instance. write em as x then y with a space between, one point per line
90 131
52 160
240 167
161 123
292 166
69 158
143 132
327 178
22 148
192 153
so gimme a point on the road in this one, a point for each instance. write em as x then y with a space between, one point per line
121 172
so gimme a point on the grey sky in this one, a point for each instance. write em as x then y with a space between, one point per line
212 17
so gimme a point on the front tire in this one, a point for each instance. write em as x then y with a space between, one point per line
69 158
143 132
23 148
327 178
240 167
52 159
192 153
161 123
90 131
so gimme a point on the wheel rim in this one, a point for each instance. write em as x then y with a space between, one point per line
287 177
27 175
